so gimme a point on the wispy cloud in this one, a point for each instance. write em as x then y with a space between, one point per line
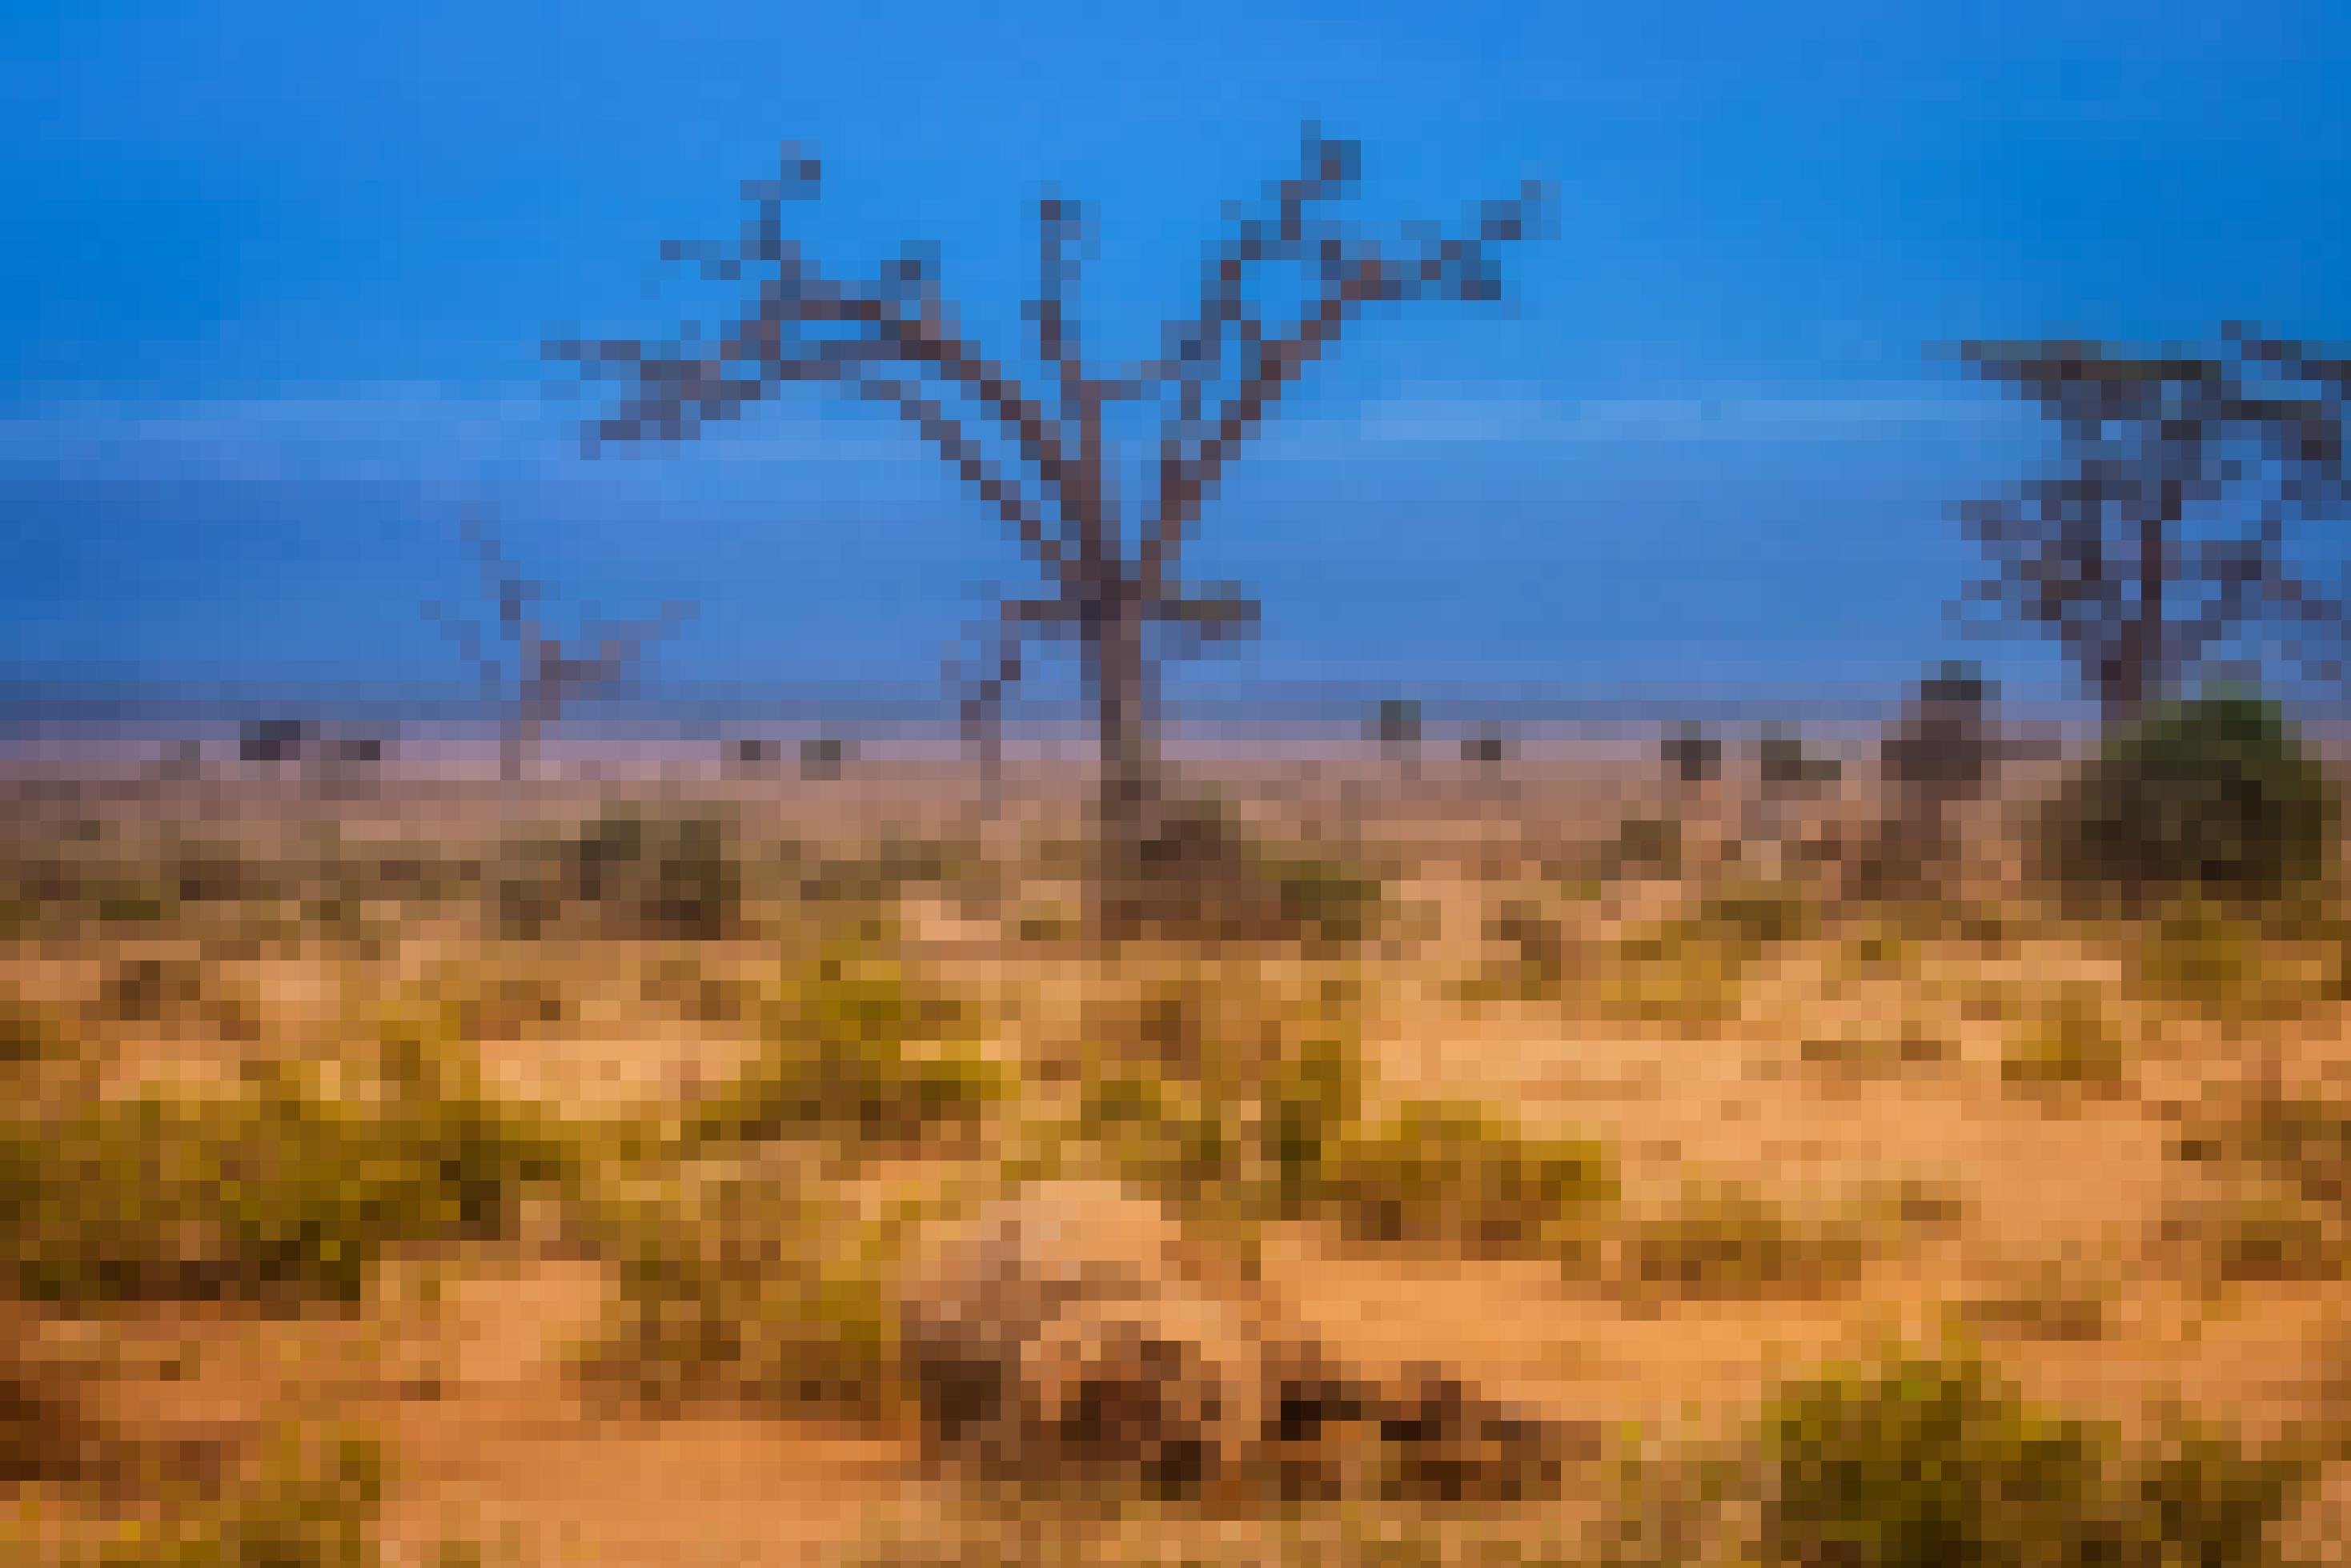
422 431
378 432
401 432
1508 417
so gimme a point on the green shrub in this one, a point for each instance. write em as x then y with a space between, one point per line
1322 902
629 874
740 1291
1310 1098
1202 874
1688 970
834 1062
2231 962
2068 1046
274 1197
898 862
1748 918
1176 1142
1455 1176
1924 1462
312 1503
2203 1500
1732 1240
2214 798
1211 1093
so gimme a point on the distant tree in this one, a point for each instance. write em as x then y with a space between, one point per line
1040 453
1690 755
1942 751
1488 745
1395 725
2161 538
547 675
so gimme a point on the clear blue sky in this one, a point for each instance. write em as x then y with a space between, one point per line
273 279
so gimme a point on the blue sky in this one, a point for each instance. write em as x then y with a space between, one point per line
273 279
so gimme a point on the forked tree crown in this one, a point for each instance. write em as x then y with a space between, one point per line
1035 450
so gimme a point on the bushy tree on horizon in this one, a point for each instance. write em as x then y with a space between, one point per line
2165 533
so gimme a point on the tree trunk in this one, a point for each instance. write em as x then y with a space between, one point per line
2139 662
518 744
1120 679
512 749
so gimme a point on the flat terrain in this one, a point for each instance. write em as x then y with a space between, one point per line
562 1151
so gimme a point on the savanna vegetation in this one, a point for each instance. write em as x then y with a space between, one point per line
1623 1187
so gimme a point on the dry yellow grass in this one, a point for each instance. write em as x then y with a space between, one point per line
1813 1114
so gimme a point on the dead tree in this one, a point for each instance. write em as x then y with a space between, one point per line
547 675
1040 453
2160 539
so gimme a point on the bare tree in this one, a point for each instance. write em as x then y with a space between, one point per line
547 675
1040 453
2160 539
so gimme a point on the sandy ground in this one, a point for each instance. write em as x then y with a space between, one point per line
492 1440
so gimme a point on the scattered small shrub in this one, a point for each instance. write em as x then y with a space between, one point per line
1688 970
1311 1097
1224 1107
497 1002
28 1034
2261 1235
1205 876
2048 1300
1870 1054
1455 1175
898 863
1645 847
1668 974
739 1292
312 1502
1730 1240
1539 952
1753 918
2307 1141
217 874
835 1063
2068 1046
1322 902
2230 962
682 983
1877 947
1171 1141
630 874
